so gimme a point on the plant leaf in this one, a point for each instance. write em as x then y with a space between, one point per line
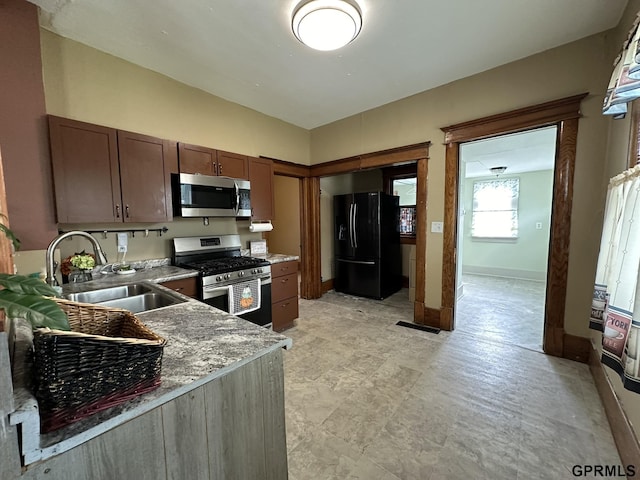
26 285
10 235
40 312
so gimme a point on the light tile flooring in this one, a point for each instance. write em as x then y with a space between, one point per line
366 399
502 309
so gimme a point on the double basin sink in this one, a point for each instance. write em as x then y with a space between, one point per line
136 298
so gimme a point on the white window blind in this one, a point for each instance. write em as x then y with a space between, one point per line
495 208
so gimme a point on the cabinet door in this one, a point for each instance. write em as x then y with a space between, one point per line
232 165
146 164
261 178
185 286
85 171
194 159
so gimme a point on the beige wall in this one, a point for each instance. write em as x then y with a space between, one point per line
85 84
285 236
578 67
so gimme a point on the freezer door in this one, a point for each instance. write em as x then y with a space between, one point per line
357 277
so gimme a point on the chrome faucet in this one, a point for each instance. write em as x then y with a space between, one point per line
101 259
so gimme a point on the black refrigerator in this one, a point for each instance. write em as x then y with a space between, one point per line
368 261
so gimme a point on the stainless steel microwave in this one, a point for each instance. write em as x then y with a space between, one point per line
208 196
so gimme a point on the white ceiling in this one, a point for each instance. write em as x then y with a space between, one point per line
244 50
520 152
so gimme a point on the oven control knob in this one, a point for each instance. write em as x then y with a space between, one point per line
227 276
254 271
260 270
218 278
241 274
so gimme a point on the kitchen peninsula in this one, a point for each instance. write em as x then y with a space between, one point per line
219 412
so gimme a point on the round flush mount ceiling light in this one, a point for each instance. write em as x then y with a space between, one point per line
326 24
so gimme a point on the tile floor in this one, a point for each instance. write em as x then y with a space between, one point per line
366 399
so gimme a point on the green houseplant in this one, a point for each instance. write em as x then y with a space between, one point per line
24 297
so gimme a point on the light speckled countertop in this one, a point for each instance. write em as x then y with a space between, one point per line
280 257
203 343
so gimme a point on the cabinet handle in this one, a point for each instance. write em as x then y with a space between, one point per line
284 280
284 305
118 210
179 289
219 169
126 209
215 168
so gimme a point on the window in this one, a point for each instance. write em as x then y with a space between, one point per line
403 182
495 208
405 188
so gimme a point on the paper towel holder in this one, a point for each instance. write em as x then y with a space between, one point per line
266 226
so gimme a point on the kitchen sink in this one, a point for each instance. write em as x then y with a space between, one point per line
104 294
144 302
135 298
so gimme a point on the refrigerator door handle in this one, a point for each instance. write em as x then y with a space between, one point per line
355 235
351 225
359 262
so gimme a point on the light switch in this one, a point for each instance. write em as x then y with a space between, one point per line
436 227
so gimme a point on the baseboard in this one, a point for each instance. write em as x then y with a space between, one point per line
576 348
623 434
326 286
505 272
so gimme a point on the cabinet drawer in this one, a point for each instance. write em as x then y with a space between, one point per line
284 313
283 268
284 287
185 286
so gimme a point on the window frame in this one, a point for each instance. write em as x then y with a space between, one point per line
474 211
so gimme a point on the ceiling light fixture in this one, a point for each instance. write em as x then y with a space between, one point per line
326 24
497 170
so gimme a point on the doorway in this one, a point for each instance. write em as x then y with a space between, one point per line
504 215
565 114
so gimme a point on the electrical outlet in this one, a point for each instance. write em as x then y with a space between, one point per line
123 240
538 225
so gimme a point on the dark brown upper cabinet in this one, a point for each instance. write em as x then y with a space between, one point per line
195 159
261 179
105 175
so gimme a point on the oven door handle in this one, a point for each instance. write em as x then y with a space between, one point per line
211 291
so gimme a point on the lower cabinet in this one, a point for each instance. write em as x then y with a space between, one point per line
185 286
232 427
284 295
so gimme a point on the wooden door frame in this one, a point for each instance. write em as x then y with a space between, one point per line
310 255
564 113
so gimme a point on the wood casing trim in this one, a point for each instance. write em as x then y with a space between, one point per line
623 433
565 114
311 285
310 266
576 348
525 118
421 235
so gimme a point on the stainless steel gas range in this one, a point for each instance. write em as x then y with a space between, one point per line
228 281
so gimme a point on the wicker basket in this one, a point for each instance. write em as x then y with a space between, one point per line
106 359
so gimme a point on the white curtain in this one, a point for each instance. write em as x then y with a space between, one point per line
614 310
